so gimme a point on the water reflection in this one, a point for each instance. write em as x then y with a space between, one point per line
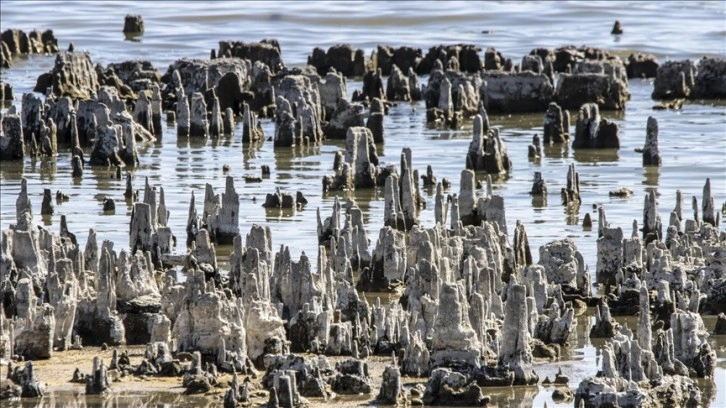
277 214
651 176
197 142
556 151
104 177
12 169
222 141
596 155
48 169
572 212
182 142
511 396
539 201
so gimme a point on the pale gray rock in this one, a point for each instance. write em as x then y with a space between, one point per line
707 205
32 114
515 353
361 156
215 123
609 253
251 129
228 122
36 340
31 386
135 278
451 95
156 107
183 113
142 112
556 327
564 265
467 199
416 357
393 213
198 122
196 75
391 390
107 147
262 323
287 131
352 377
205 316
454 343
303 95
142 228
332 91
689 343
388 263
651 218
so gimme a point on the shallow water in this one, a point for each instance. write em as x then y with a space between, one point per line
692 140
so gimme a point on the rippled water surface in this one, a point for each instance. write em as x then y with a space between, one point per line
692 140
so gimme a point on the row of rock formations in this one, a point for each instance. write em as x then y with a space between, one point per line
249 81
15 43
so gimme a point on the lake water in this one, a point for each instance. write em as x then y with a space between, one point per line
692 140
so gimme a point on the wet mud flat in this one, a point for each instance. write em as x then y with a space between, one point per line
471 317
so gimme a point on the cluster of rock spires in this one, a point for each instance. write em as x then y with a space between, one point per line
475 309
15 42
110 109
